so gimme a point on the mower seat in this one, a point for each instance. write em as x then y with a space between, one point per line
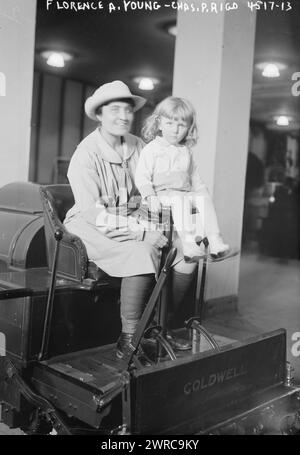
73 263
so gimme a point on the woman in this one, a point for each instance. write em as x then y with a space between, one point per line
101 175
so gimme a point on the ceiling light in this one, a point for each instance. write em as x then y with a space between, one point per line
284 123
169 27
272 199
270 69
172 29
282 120
56 59
146 83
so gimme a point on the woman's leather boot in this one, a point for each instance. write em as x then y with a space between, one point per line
124 349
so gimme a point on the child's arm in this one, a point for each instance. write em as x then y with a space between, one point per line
196 182
144 173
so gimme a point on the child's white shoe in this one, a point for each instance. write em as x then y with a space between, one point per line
190 247
227 254
216 245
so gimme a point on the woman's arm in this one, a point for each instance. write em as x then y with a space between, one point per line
86 186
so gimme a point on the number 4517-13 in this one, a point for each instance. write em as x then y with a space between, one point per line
270 6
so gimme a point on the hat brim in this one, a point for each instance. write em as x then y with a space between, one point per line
92 104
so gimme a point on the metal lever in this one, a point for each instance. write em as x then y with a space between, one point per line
156 333
198 330
58 235
151 304
199 299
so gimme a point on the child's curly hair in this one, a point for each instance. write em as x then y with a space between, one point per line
173 108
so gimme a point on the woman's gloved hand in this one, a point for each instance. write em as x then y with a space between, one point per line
121 210
153 204
156 239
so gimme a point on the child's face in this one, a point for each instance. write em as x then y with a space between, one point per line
173 130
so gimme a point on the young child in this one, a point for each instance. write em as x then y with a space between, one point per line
168 175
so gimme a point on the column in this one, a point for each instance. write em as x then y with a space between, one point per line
17 34
213 69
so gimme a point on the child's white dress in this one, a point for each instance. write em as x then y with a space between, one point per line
170 172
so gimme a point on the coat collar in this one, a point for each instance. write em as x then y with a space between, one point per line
109 154
164 143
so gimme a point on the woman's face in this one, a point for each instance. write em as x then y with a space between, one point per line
116 118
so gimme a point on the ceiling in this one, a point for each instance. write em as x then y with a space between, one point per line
277 39
122 46
109 46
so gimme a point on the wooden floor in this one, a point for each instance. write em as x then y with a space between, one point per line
268 299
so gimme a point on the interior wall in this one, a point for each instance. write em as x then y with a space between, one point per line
272 194
258 144
58 125
218 81
17 34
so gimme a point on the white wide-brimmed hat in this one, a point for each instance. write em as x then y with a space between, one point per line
115 90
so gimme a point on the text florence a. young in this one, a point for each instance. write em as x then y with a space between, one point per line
74 6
